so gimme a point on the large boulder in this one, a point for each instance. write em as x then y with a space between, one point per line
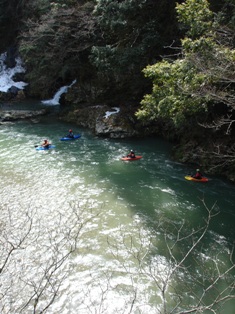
114 124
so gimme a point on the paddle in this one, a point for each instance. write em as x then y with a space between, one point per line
40 145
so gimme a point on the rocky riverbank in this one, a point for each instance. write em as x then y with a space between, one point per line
112 122
9 116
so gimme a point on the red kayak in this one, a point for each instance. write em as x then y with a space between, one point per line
131 159
203 179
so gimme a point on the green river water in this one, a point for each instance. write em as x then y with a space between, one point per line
133 208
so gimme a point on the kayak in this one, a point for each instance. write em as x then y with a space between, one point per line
45 148
131 159
203 179
66 138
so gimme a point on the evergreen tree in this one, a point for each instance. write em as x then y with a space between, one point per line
202 77
134 33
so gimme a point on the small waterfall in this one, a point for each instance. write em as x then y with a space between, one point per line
7 74
56 99
109 113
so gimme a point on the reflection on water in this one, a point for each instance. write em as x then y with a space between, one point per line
127 212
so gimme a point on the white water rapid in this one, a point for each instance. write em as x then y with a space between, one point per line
7 74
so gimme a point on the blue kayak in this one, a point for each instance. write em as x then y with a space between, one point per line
45 148
66 138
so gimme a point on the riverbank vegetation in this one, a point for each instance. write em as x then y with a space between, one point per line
197 89
170 64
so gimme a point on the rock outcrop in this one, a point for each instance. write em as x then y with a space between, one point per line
7 116
114 122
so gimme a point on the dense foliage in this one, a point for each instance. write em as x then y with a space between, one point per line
204 74
100 43
55 46
134 34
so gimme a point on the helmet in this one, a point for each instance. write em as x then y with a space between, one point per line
132 150
198 170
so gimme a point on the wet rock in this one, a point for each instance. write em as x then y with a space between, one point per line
13 90
20 95
14 115
12 94
104 121
10 57
114 126
85 116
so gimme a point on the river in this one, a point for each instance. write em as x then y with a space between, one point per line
125 215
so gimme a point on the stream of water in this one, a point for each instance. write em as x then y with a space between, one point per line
122 207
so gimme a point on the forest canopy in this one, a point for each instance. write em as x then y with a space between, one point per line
203 74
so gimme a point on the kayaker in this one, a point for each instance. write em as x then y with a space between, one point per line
198 174
45 144
131 154
71 135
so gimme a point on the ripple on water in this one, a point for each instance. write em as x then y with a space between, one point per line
118 203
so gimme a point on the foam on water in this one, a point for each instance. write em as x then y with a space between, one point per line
7 74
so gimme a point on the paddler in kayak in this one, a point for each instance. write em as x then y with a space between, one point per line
131 154
70 135
45 144
198 175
